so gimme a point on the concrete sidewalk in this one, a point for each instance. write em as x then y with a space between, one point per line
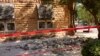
92 34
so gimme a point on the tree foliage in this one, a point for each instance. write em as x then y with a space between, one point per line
61 2
91 48
93 6
64 2
47 1
83 14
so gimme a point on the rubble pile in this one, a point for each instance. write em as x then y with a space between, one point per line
49 47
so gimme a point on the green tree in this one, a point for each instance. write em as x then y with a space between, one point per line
93 6
83 14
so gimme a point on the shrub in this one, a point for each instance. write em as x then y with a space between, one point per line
91 48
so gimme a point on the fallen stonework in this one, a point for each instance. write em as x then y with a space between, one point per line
43 47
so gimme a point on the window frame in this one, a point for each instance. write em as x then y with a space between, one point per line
5 27
45 24
39 22
11 30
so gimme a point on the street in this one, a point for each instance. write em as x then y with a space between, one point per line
92 34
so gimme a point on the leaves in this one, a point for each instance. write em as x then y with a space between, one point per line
83 14
92 5
61 2
47 1
64 2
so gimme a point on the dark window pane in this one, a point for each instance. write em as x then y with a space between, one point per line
1 27
10 26
41 24
49 25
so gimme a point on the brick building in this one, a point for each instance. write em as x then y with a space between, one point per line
26 15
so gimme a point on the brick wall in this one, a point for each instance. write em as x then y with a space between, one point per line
60 20
26 15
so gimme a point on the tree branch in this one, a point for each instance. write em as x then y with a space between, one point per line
94 15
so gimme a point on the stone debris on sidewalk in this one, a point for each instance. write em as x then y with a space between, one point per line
43 47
